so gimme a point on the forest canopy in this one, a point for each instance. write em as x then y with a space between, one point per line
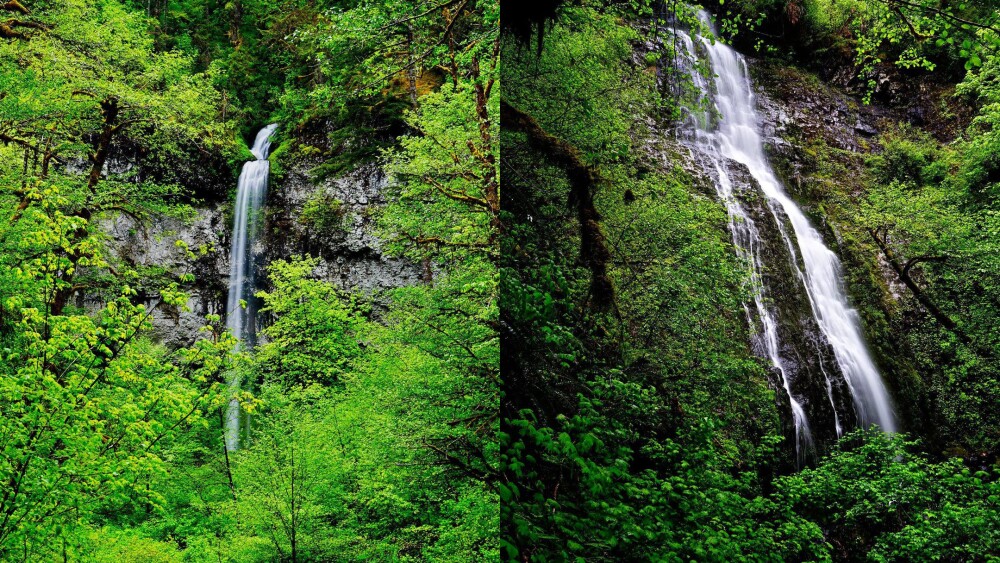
374 415
639 423
738 301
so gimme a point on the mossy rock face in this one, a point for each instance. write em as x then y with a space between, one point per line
333 219
805 354
818 139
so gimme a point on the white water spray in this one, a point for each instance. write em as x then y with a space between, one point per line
737 138
250 193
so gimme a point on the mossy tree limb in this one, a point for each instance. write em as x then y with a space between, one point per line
8 28
881 238
583 181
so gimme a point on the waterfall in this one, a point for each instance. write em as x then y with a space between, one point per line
250 193
733 135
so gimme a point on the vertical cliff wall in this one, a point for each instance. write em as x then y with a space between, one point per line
332 218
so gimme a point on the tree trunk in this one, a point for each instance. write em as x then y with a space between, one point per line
110 111
583 180
903 273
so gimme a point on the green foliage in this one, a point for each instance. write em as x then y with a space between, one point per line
684 505
323 213
614 443
90 405
876 496
87 405
920 34
939 227
315 334
580 88
376 453
648 432
980 169
364 130
288 479
380 429
452 132
370 440
909 157
108 545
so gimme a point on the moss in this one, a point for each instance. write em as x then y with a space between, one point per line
323 212
830 182
279 158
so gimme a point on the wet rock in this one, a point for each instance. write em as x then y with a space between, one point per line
350 252
864 128
917 115
809 362
152 248
825 165
791 111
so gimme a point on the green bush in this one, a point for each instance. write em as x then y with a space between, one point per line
323 212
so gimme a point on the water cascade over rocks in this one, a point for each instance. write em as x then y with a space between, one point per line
250 193
803 322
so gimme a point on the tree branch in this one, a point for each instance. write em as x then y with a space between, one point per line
925 258
894 4
14 6
904 276
583 181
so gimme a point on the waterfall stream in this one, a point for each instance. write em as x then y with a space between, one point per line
250 193
733 135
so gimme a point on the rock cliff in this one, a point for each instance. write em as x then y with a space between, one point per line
333 219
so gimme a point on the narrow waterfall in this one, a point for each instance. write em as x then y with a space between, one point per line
732 135
250 193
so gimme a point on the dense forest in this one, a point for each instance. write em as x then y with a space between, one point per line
373 415
262 300
647 413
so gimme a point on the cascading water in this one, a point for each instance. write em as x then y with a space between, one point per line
250 193
735 136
